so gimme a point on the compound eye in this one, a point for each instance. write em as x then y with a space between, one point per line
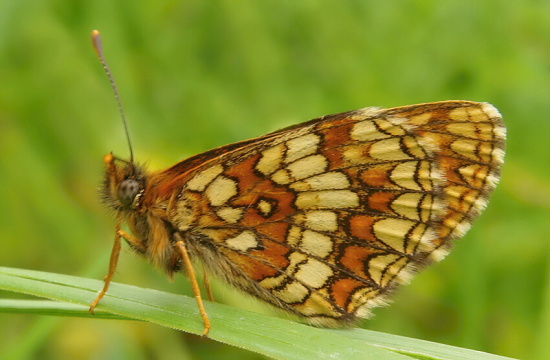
127 191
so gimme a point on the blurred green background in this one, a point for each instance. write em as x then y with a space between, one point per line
198 74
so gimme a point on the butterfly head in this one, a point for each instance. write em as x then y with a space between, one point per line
123 184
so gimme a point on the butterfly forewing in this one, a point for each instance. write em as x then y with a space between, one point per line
325 218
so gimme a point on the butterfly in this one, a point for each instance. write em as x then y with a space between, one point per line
323 219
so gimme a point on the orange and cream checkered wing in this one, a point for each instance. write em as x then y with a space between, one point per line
325 218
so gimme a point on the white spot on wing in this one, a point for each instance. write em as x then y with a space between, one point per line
302 146
265 207
329 199
245 241
230 214
316 244
220 190
308 166
293 292
321 220
314 273
388 149
202 179
271 160
404 175
328 181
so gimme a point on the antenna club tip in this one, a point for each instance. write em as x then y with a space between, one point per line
96 41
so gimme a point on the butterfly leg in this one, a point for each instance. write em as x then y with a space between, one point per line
132 241
112 265
206 281
180 244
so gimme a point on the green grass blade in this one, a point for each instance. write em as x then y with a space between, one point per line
420 349
270 336
53 308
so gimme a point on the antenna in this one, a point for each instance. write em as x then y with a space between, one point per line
98 47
